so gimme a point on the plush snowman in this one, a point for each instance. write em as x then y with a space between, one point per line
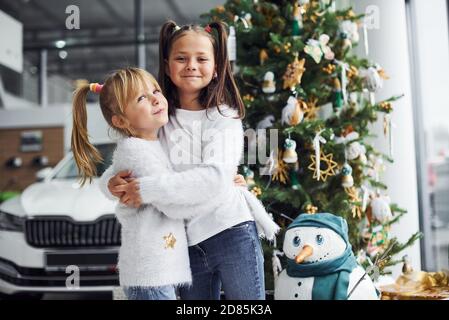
320 262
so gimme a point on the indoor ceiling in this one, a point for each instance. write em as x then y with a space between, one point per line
105 39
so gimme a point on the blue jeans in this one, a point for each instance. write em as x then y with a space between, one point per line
232 259
150 293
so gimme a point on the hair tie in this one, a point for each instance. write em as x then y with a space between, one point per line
95 87
176 28
208 29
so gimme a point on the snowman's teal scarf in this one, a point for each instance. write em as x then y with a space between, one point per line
331 277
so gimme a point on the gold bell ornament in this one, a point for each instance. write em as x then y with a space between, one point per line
347 179
269 85
290 155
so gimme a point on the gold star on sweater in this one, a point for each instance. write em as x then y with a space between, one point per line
170 241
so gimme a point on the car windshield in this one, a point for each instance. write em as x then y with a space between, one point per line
70 171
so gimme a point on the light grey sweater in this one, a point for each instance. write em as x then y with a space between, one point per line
204 148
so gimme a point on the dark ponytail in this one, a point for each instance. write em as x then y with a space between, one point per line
226 90
167 86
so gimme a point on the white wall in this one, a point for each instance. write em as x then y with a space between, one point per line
32 117
389 47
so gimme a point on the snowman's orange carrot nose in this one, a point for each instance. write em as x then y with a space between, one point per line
304 253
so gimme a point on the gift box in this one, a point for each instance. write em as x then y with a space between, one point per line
418 285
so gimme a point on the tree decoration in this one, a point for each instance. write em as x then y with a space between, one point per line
386 106
297 20
312 109
311 209
317 48
293 112
353 148
294 182
352 72
378 241
381 210
248 99
338 95
329 68
280 170
256 191
329 163
269 85
220 9
347 179
349 33
263 56
293 73
290 155
354 198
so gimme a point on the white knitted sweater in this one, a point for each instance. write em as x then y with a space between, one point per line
154 249
205 148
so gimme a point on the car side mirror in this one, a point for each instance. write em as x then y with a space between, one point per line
43 173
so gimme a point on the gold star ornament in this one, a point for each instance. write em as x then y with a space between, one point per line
170 241
294 72
326 172
311 111
280 169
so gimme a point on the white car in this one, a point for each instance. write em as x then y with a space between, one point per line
59 237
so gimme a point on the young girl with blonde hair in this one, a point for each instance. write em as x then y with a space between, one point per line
153 257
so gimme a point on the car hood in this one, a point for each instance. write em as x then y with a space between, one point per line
67 198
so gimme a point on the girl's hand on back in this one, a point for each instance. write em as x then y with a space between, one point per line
131 197
120 179
240 181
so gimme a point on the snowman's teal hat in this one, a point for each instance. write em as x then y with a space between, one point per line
322 220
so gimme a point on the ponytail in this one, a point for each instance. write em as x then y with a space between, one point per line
85 154
226 90
165 42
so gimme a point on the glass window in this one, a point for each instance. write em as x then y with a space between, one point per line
429 49
70 170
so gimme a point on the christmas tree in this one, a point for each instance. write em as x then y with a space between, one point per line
298 74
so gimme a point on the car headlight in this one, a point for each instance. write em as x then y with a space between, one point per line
10 222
